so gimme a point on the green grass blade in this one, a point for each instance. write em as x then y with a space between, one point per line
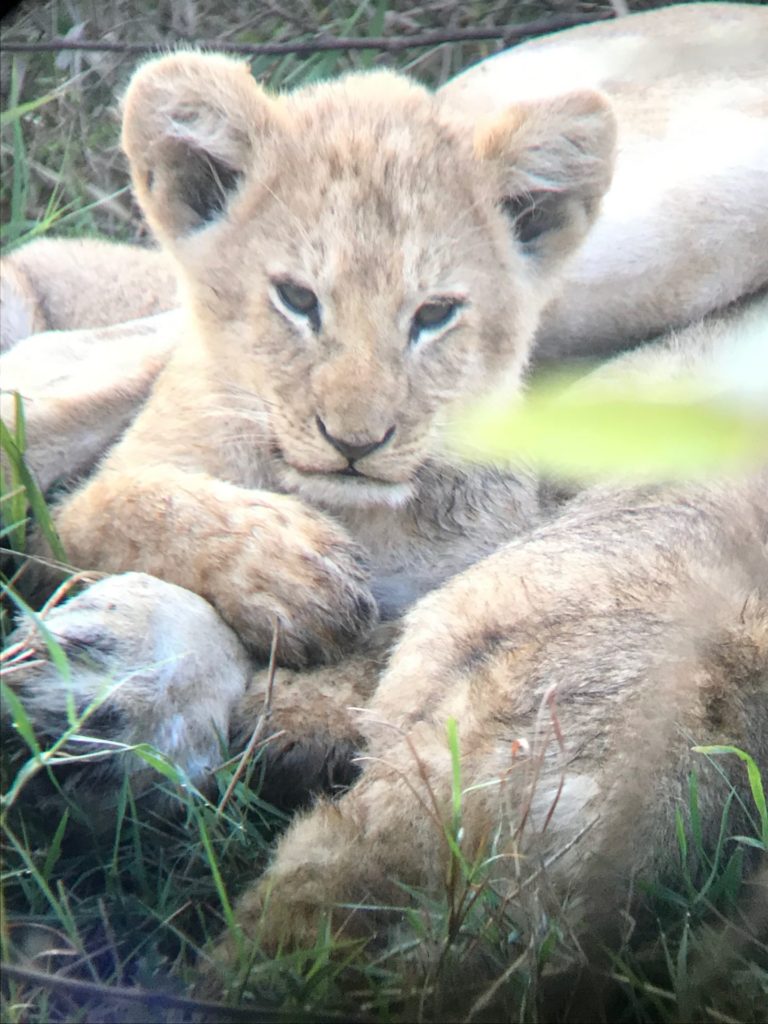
33 493
669 433
54 850
55 650
755 782
21 721
218 880
452 729
695 816
16 112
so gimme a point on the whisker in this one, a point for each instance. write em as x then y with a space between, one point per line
229 391
296 222
246 416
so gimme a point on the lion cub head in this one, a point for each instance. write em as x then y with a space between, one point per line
356 256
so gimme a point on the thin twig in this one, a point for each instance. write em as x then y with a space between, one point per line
109 202
505 34
670 997
537 763
238 757
550 699
19 648
51 563
111 941
263 719
22 664
434 810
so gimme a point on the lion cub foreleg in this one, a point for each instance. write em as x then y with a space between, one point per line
383 832
264 560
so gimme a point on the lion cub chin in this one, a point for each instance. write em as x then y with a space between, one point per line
354 259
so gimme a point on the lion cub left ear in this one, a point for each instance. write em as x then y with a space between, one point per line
553 160
192 124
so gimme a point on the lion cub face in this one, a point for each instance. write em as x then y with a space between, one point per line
356 258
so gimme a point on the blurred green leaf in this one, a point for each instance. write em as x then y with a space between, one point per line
669 432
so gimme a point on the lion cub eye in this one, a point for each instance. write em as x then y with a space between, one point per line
432 317
299 300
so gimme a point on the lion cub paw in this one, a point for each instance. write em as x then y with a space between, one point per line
146 662
266 925
310 723
284 567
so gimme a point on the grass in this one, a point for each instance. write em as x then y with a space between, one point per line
95 915
92 916
62 167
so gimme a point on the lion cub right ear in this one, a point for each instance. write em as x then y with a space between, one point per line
554 161
192 123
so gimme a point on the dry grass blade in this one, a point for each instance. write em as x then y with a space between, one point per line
81 576
489 995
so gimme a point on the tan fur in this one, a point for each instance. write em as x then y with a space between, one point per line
691 666
58 284
80 390
581 654
255 401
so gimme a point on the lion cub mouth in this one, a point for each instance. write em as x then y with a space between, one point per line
346 488
350 476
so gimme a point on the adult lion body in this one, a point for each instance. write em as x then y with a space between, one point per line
679 233
60 284
288 470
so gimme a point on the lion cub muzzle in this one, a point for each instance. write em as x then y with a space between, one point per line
353 450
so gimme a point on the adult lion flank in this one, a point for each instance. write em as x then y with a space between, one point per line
518 723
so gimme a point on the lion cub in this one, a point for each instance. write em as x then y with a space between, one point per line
353 260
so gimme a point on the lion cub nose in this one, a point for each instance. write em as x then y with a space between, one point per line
353 450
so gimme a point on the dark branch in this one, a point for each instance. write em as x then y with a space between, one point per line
388 44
